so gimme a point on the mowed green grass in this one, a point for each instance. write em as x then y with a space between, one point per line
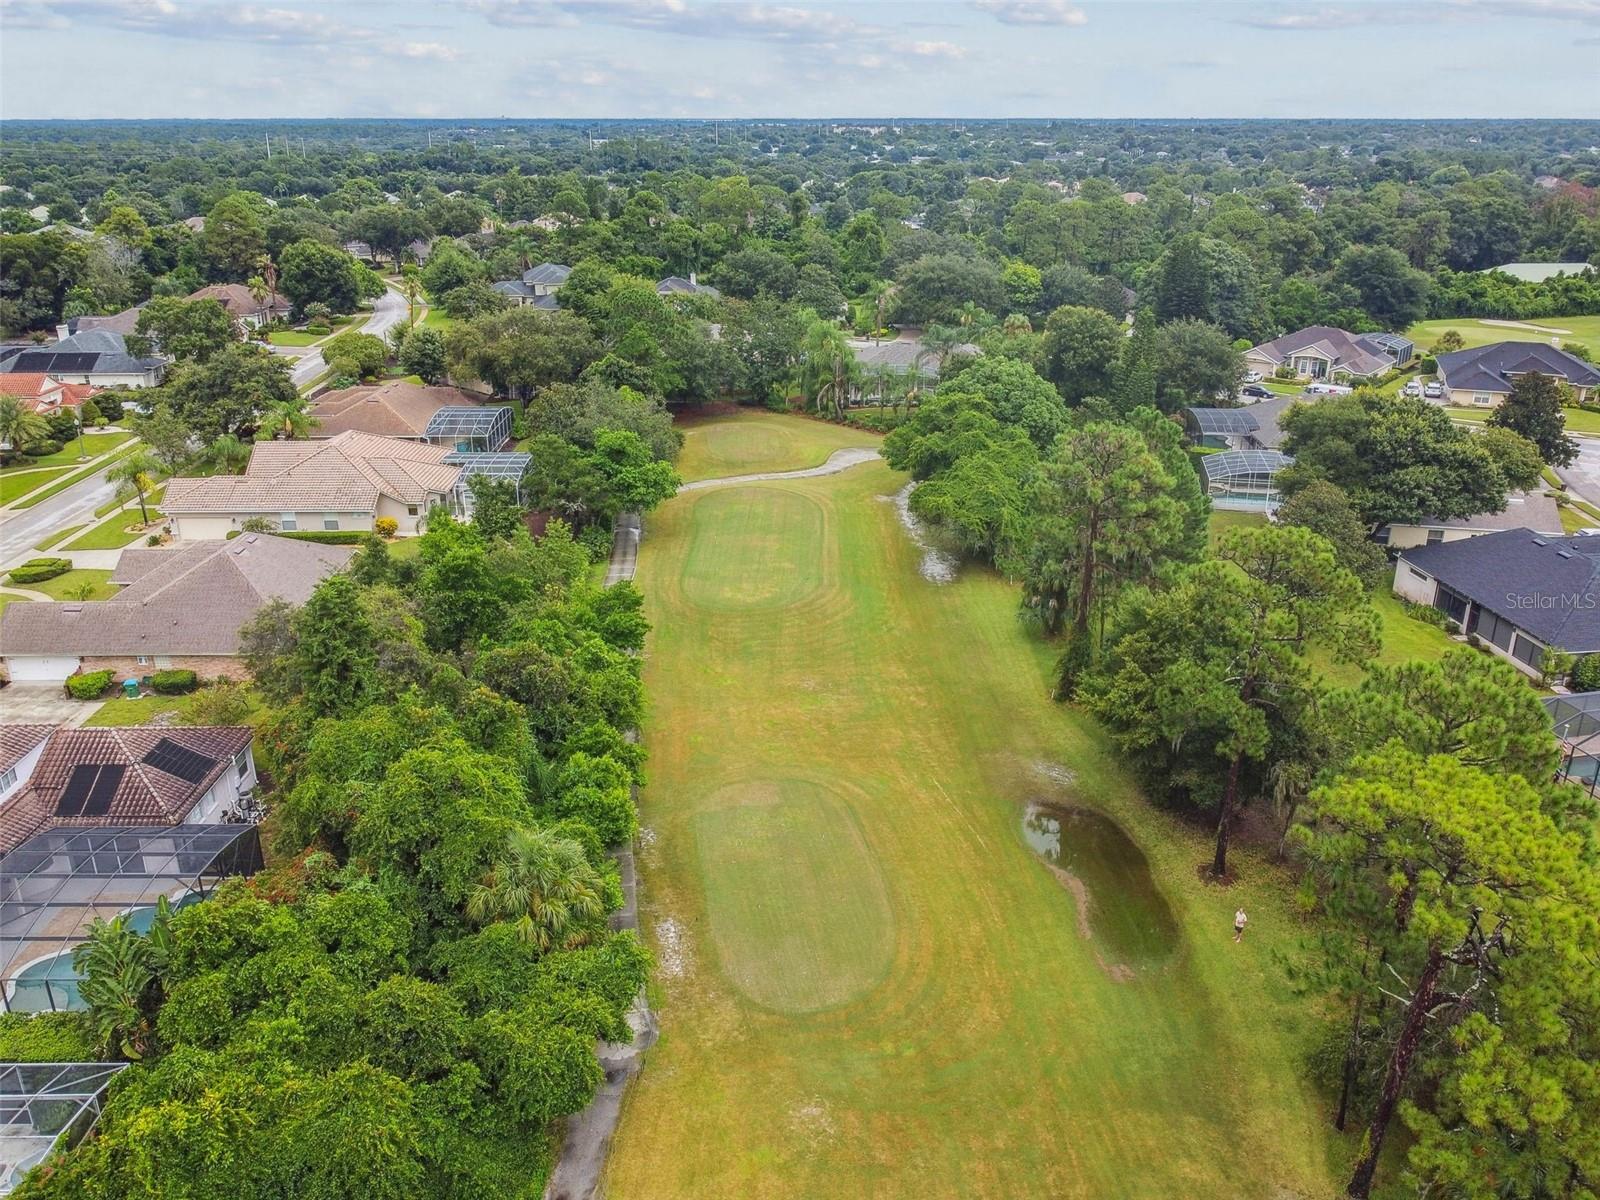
1585 330
748 443
869 986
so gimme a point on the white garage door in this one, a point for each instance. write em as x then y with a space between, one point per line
41 668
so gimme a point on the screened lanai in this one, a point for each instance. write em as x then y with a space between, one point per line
1244 479
42 1103
510 465
54 885
1577 724
469 428
1218 427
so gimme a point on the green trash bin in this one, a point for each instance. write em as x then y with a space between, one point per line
130 688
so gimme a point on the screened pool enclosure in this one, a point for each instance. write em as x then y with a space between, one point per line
43 1103
1244 479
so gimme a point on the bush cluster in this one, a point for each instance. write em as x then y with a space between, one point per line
174 682
90 685
37 570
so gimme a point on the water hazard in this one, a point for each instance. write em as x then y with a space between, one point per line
1120 908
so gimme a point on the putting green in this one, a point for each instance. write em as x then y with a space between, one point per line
775 538
870 987
797 906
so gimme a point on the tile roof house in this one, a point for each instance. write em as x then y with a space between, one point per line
242 304
1481 377
20 748
96 356
397 409
41 394
1523 510
179 607
144 775
677 285
1521 592
1322 352
344 482
124 322
536 287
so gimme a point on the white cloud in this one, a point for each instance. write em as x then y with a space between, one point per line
1033 12
1350 16
933 49
299 27
757 22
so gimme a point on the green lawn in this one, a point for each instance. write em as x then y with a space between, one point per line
437 318
294 337
869 984
113 533
1579 420
144 710
59 536
65 587
746 443
14 484
1224 519
5 600
1405 639
1585 330
62 484
94 444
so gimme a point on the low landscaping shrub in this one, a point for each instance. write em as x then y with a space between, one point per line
319 329
41 449
331 537
37 570
876 420
223 703
597 541
386 527
1426 613
90 685
1586 674
47 1037
175 682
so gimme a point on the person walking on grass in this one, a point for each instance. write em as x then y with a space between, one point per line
1239 920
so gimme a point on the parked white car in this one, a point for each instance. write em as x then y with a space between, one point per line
1252 376
1413 387
1327 389
1434 391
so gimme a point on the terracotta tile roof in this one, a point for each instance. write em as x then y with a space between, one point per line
145 793
396 409
345 473
239 300
17 740
191 600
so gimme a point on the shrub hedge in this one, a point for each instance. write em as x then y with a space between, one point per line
89 685
47 1037
37 570
174 682
331 537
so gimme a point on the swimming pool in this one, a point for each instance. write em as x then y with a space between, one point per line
51 983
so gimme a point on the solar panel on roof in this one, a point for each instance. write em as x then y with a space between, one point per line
98 803
76 794
188 765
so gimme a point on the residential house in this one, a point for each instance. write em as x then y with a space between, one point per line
536 287
356 248
178 609
141 775
1523 510
1520 592
347 481
124 322
677 285
881 359
242 304
396 409
41 394
1481 377
20 748
95 356
1321 352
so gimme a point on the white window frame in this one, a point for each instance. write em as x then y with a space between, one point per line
330 521
241 762
289 522
141 660
8 779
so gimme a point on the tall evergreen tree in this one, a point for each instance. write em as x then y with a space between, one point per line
1533 409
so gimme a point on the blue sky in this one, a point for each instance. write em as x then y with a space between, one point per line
622 58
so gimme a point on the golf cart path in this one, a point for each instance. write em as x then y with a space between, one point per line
839 460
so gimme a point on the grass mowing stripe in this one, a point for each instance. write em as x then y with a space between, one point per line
76 477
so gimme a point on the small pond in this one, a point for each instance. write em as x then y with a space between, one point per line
1121 907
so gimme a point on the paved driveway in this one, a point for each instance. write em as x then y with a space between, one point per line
43 704
1583 476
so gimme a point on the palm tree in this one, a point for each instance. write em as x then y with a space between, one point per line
134 476
121 982
411 288
20 426
545 886
289 419
827 366
229 454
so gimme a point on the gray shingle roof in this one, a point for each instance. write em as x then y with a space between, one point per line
547 273
1547 586
677 285
89 351
1490 368
1349 352
192 600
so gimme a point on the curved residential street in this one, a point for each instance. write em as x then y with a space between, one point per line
387 312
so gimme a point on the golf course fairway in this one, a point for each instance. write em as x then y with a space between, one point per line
871 978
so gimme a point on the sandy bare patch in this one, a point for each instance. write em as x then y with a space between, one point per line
937 566
1056 773
813 1121
673 956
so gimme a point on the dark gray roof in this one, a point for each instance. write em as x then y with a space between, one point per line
524 291
1548 586
1490 368
90 351
1358 354
547 273
678 285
